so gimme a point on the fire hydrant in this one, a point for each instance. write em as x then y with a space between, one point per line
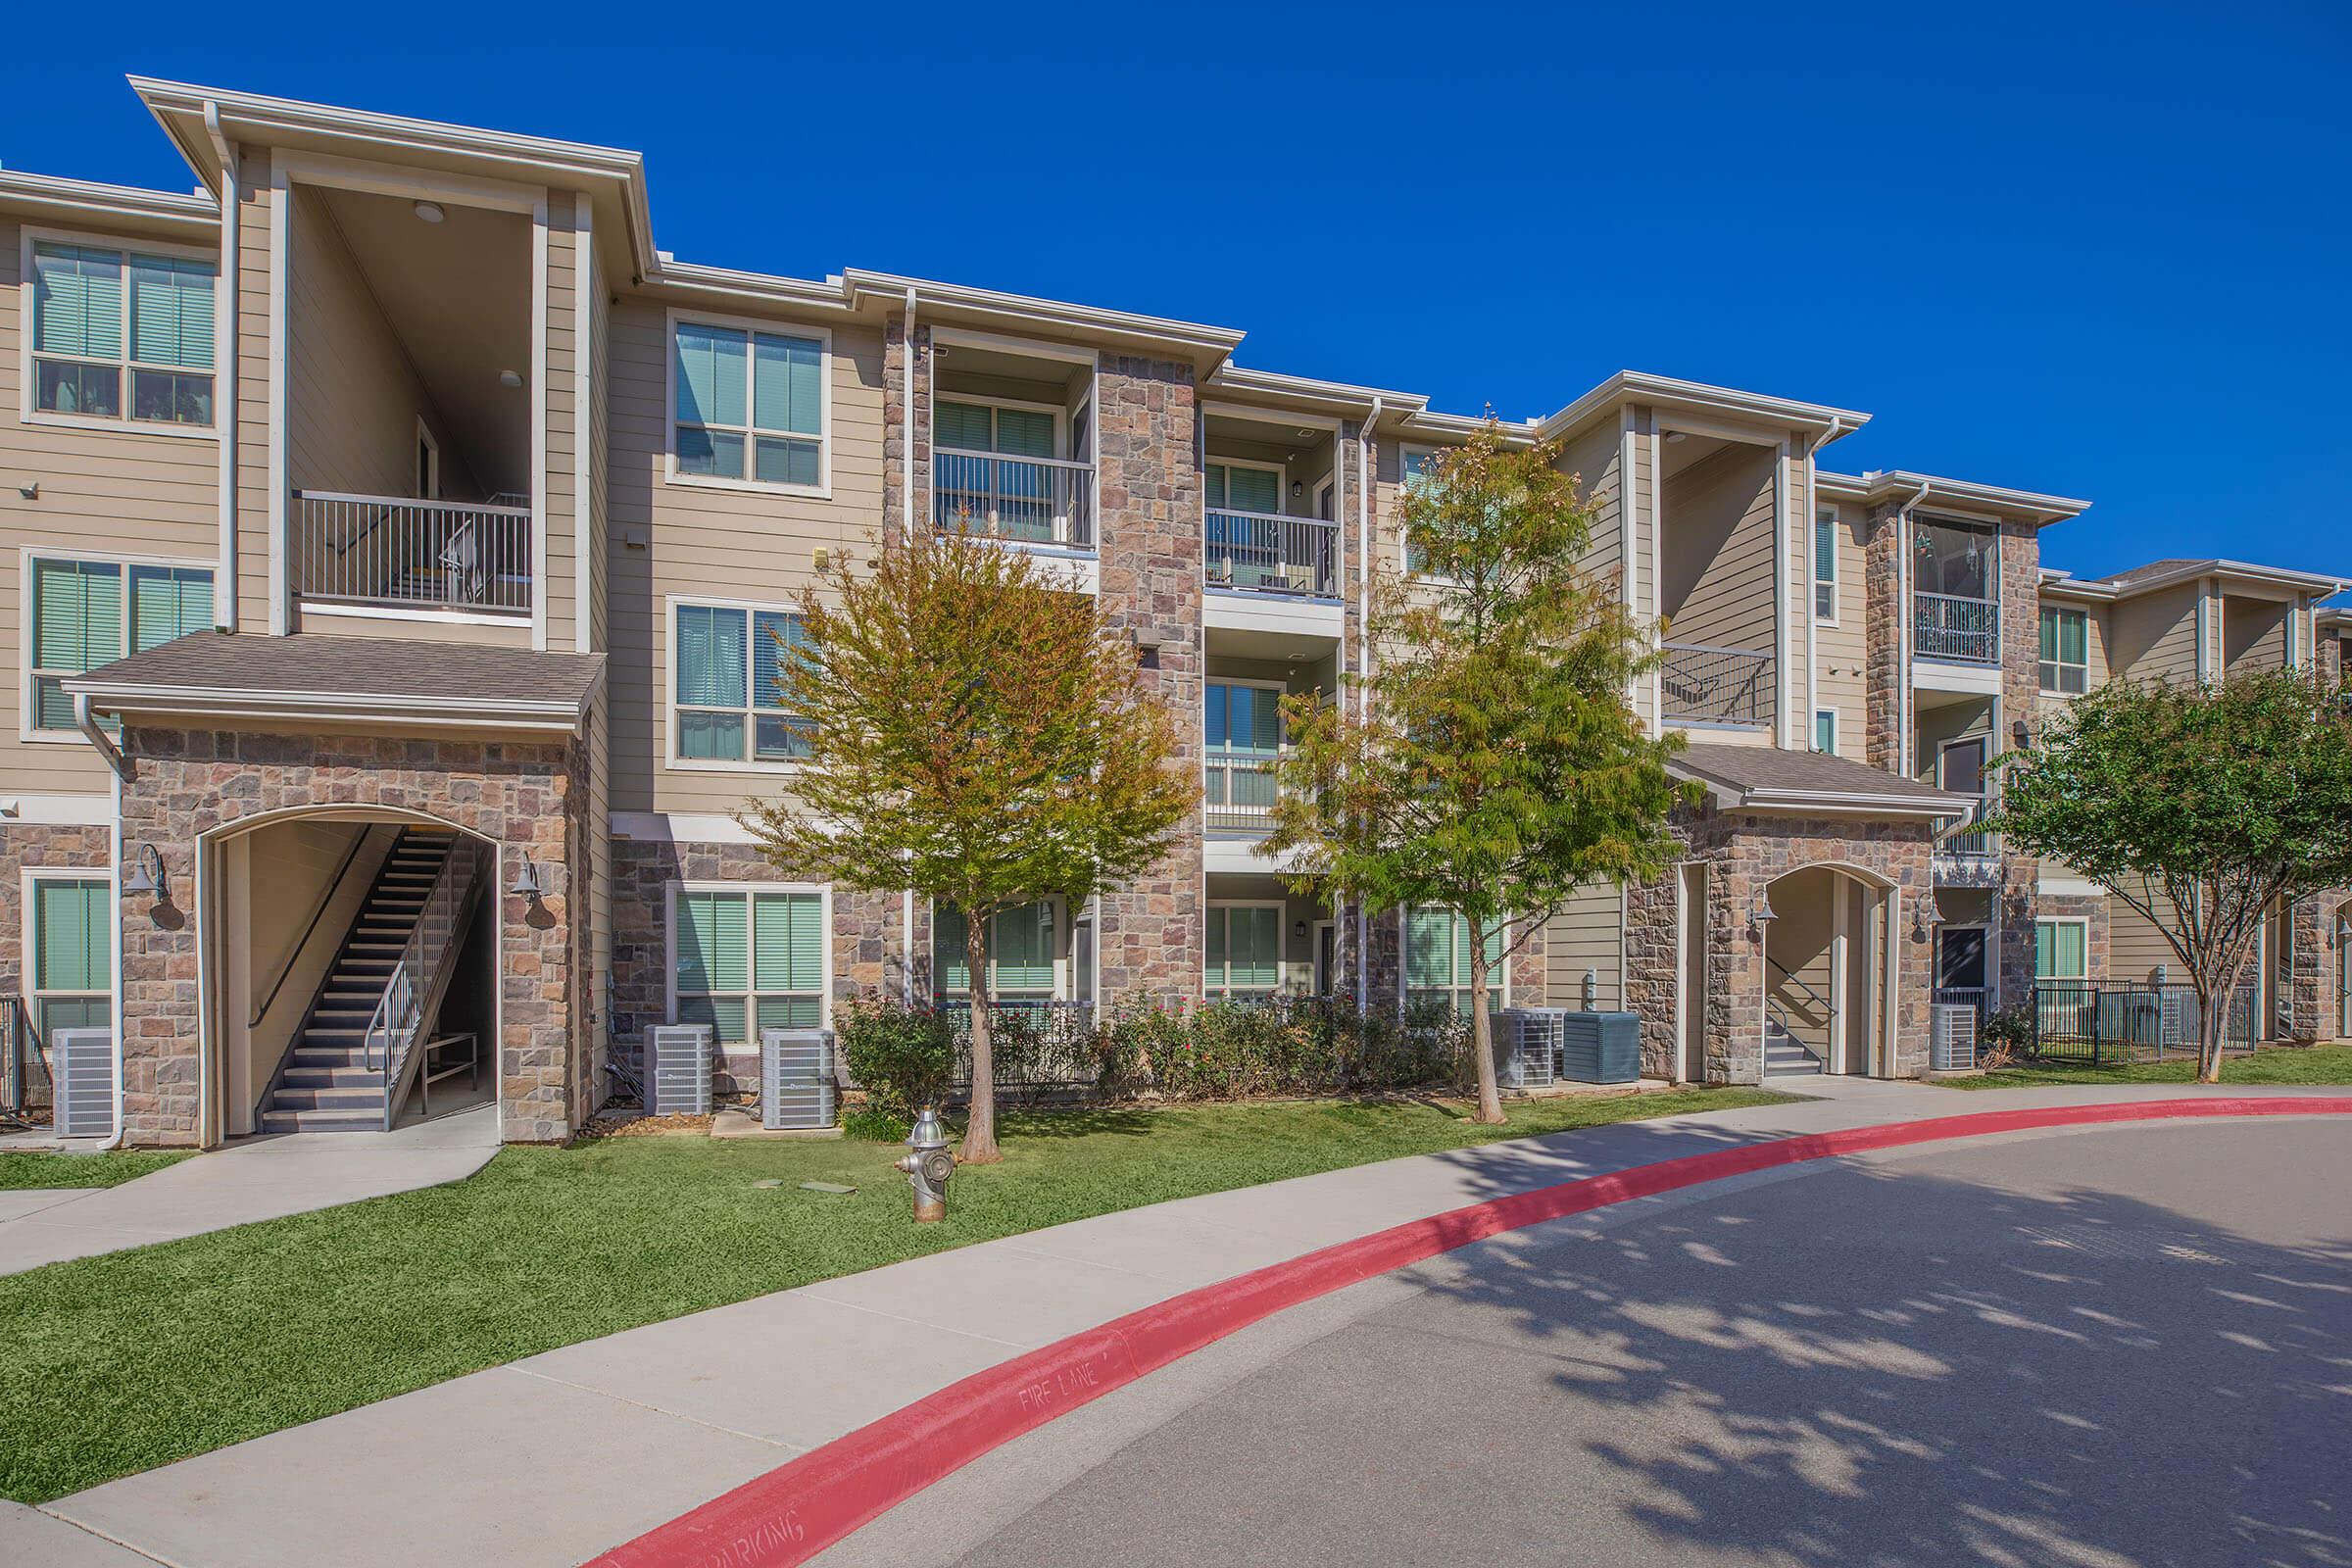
928 1165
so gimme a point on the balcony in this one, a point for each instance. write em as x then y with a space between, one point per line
1265 553
1952 626
1036 501
1706 685
1968 856
1239 793
392 552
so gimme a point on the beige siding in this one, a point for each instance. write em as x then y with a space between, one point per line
731 544
600 469
560 484
1589 934
101 491
2155 637
1717 578
257 203
2135 947
2253 634
1840 647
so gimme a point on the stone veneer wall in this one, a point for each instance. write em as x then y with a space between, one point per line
1882 617
1744 854
529 799
865 937
1148 535
2091 910
2021 699
2311 963
897 429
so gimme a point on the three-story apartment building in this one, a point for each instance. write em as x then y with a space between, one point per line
400 542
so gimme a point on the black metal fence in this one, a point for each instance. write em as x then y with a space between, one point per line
1040 1049
2101 1021
24 1089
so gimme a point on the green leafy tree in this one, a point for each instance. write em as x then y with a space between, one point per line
2202 808
977 733
1496 765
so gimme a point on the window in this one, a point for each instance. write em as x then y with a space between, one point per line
748 404
1244 487
1021 953
1825 730
1825 569
101 317
747 960
1245 951
729 661
1437 960
79 622
73 952
1412 463
2061 949
1242 734
994 427
2065 651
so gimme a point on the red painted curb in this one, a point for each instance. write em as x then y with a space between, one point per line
795 1511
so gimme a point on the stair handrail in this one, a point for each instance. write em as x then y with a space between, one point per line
400 1010
294 954
1816 998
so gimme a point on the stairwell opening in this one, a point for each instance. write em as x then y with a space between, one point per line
1824 958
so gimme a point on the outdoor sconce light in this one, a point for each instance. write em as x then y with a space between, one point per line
1298 928
1763 915
149 878
527 884
1297 488
1928 917
2022 733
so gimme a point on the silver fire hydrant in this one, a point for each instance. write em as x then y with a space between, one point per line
928 1165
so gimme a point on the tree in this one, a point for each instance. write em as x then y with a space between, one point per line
976 733
2202 808
1497 764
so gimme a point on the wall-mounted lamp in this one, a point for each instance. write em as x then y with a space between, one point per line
1763 915
1298 928
1926 917
2023 733
148 878
1297 488
510 378
30 492
527 884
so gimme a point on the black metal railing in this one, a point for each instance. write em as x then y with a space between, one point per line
2116 1021
1703 685
1952 626
1040 1049
25 1093
1265 553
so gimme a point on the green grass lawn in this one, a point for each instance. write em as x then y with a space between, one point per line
21 1169
120 1364
2316 1065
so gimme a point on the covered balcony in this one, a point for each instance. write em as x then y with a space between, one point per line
1271 505
1013 444
1244 735
1955 591
1955 749
409 441
1716 506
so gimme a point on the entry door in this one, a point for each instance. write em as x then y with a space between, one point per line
1327 956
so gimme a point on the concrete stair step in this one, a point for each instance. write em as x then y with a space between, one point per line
353 1098
321 1121
334 1077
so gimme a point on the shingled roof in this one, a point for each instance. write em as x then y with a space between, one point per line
1765 778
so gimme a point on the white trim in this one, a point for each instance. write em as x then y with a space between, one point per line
1281 936
1405 452
751 1021
583 431
822 336
277 503
679 827
1501 994
1280 471
28 613
432 468
1945 675
321 610
1253 414
1064 982
28 383
667 687
1836 584
999 342
1783 620
55 810
1835 740
2041 611
2058 885
539 357
355 708
2040 920
1320 982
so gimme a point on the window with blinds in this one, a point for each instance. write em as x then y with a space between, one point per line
750 405
73 954
1021 949
994 427
91 613
1244 952
1413 464
2061 949
2065 651
1437 960
1233 487
749 960
1825 569
104 317
728 662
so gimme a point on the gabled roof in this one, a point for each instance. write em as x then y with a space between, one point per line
2166 574
1764 778
1924 490
373 680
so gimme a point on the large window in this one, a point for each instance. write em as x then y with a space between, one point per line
121 334
1241 733
1437 960
1244 487
73 952
749 406
2061 949
1825 569
729 707
1021 953
91 613
1413 465
1015 432
2065 651
1245 951
743 960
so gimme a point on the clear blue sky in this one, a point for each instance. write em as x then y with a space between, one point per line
2096 250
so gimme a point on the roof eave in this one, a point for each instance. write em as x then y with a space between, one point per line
1666 391
371 708
54 197
1208 346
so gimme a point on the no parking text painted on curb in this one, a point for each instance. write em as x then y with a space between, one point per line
795 1511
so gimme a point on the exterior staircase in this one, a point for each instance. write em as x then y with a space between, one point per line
1783 1053
327 1083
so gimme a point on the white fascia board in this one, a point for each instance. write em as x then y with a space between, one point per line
1462 426
1195 338
374 708
1336 395
1837 803
56 198
1889 485
1666 391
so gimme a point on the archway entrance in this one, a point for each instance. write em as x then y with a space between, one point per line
1826 959
349 959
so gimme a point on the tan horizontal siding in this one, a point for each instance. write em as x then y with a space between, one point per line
2156 636
1842 646
559 483
1586 935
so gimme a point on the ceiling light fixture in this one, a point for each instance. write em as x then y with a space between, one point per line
430 212
510 378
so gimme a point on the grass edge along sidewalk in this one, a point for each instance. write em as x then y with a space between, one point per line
37 1170
2279 1065
118 1364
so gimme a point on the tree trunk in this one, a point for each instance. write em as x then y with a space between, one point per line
1482 1033
980 1129
2213 1026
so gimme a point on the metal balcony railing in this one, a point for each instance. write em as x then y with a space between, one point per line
1038 500
1271 554
413 555
1702 685
1947 627
1240 791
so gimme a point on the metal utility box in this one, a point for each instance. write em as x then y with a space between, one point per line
81 1076
1527 1047
1600 1047
797 1087
678 1069
1953 1040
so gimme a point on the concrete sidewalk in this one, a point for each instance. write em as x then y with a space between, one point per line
551 1459
254 1179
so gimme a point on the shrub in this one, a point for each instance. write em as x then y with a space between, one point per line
901 1057
2007 1036
874 1126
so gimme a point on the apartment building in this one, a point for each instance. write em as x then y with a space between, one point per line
397 534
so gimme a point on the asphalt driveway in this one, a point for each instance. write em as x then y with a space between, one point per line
2124 1345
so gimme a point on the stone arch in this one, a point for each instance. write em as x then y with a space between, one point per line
1821 974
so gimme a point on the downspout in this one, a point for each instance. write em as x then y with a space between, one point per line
1812 577
907 532
225 355
1363 652
1905 765
88 723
